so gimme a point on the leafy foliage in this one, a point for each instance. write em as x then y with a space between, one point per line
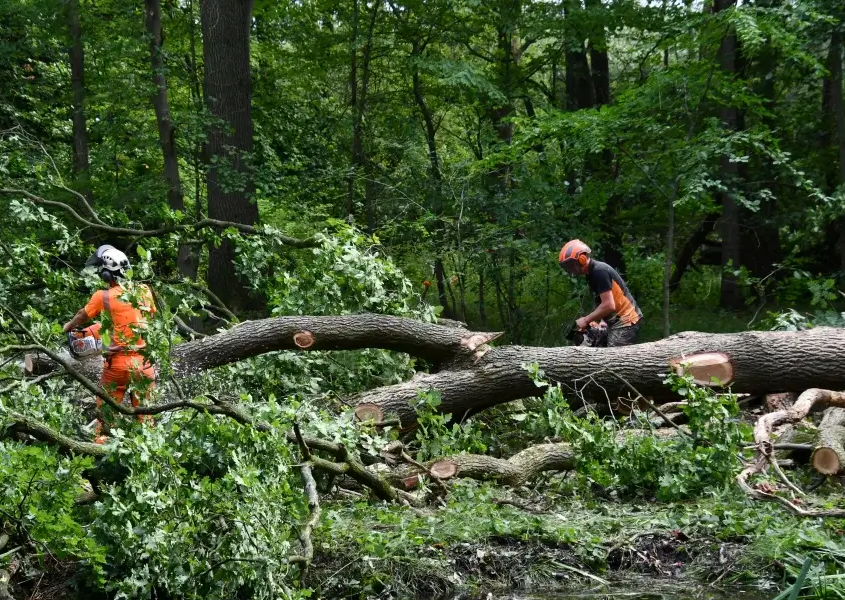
436 154
672 468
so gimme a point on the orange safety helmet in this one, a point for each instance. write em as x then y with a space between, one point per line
574 252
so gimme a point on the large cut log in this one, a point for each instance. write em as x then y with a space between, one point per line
758 363
430 341
829 455
40 364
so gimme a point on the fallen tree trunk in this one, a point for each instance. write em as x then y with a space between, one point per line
514 471
829 455
471 376
435 343
752 362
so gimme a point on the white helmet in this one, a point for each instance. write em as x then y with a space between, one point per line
110 262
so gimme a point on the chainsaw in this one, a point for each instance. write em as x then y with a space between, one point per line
85 342
594 336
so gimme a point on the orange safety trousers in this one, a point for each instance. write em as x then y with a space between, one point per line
119 371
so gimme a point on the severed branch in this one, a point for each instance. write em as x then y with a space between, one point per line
650 404
41 431
187 329
314 511
809 400
310 487
35 381
84 201
829 454
514 471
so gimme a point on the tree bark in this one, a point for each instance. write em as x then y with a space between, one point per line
599 62
186 264
579 85
228 89
760 362
514 471
76 57
353 104
580 89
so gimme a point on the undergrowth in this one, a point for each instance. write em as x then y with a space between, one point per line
723 539
662 505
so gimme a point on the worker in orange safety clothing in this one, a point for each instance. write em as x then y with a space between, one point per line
124 366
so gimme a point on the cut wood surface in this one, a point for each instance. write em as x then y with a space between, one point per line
829 455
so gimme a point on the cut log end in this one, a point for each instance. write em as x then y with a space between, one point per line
369 412
411 483
829 456
826 461
28 363
303 339
38 364
705 367
444 469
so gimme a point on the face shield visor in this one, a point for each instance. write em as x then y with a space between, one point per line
571 267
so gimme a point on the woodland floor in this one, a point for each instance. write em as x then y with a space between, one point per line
479 545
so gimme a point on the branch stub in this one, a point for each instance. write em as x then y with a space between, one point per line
303 339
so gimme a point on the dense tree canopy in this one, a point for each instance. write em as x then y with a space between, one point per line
416 159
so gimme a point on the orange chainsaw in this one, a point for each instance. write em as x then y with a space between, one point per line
85 342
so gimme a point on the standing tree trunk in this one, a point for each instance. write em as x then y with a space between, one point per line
580 87
186 265
599 62
197 100
359 85
838 108
436 203
353 104
76 57
695 242
228 91
731 294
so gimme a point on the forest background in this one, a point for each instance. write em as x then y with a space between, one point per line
421 159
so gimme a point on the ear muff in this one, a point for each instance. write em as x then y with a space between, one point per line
583 259
106 275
